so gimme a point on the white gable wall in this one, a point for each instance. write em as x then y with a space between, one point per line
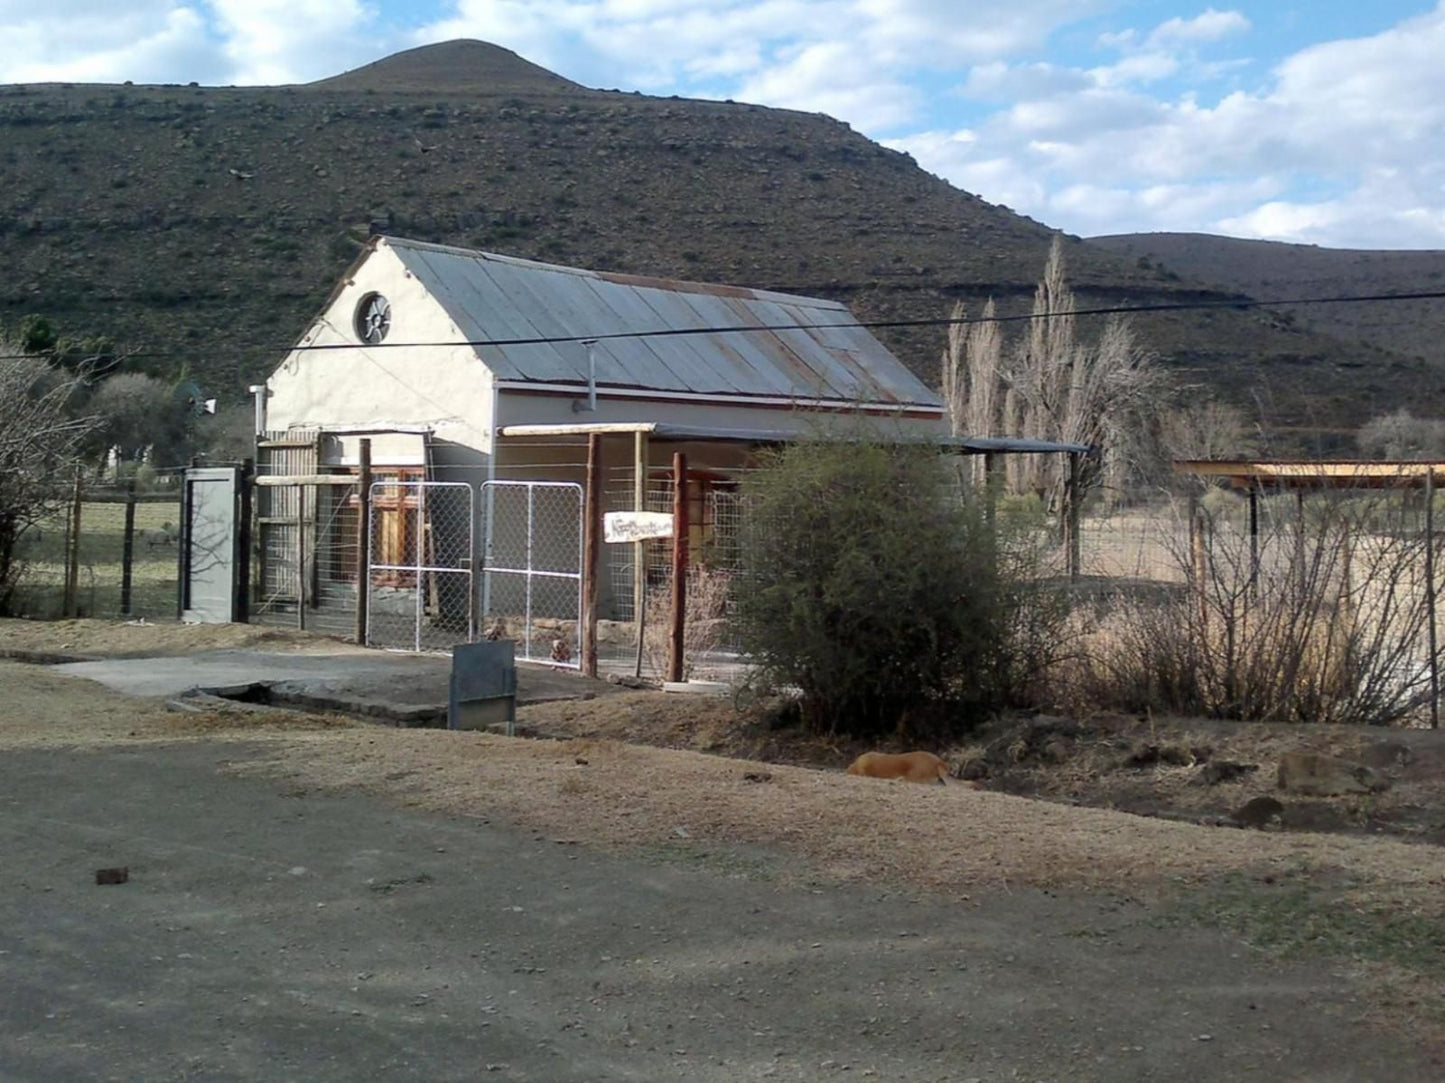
446 390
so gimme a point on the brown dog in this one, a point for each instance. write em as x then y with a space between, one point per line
911 766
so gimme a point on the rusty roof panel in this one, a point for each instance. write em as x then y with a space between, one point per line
492 297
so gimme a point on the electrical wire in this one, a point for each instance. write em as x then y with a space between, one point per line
1239 304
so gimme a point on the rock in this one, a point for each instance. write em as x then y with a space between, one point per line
1055 751
1173 755
118 875
1386 755
1316 775
757 776
1219 771
972 770
1258 812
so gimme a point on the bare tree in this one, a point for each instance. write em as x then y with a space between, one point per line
972 392
1099 393
39 441
1206 430
1402 435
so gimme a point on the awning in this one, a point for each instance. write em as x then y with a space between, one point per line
664 432
1308 474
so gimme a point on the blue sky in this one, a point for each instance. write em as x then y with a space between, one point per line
1319 122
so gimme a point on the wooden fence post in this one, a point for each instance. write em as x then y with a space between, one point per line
679 568
70 601
363 541
245 510
591 554
127 549
1073 499
1430 597
301 557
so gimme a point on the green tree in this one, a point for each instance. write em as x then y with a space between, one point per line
873 582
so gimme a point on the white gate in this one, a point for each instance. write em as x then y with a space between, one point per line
532 568
420 594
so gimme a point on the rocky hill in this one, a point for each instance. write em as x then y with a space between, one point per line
204 226
1273 271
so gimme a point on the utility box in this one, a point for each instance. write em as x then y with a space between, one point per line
483 689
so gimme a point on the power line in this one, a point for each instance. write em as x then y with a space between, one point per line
1240 304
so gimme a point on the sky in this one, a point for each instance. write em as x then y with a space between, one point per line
1313 121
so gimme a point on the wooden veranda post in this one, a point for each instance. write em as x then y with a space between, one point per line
639 549
363 540
1254 540
1430 598
127 549
678 622
591 554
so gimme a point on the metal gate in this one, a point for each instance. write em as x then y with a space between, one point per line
420 556
532 568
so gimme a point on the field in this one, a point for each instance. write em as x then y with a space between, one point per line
102 539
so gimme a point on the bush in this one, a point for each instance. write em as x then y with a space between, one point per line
1328 626
872 583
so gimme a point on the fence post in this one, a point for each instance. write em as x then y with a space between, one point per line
1073 499
1430 597
591 554
301 557
72 550
127 549
246 488
679 567
1254 540
363 541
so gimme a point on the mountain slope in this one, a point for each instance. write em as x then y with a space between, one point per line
1274 271
206 226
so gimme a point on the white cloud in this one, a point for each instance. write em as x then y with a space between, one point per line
835 78
284 41
149 41
1340 145
1210 26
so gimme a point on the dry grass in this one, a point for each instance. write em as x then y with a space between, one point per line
115 638
45 709
845 829
829 825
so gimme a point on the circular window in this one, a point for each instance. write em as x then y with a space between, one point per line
373 318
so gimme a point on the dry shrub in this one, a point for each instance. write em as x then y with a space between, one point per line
1327 624
705 628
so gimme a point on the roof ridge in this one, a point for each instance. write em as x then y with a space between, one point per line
621 277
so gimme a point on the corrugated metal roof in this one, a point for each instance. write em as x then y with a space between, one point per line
500 297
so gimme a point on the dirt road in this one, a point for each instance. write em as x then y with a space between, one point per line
271 931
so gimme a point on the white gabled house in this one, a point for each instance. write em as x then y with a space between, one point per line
444 356
464 366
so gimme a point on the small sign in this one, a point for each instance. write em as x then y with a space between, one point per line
636 526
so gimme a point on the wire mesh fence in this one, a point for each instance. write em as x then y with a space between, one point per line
119 560
531 589
419 565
